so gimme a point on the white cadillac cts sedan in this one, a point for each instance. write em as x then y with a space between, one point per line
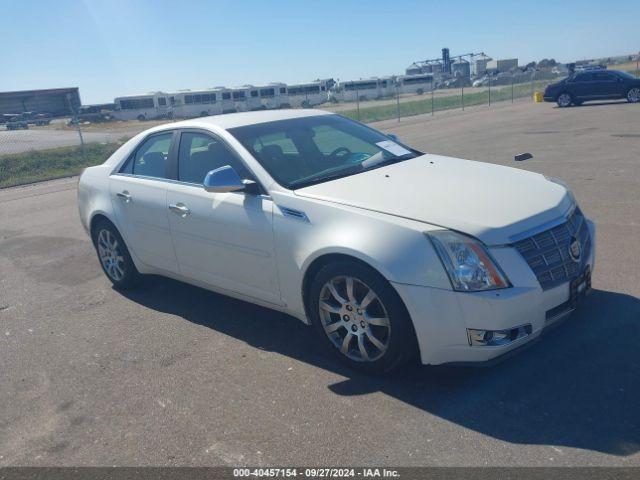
386 251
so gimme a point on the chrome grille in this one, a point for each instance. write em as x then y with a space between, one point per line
547 253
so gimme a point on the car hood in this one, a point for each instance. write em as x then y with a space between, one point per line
493 203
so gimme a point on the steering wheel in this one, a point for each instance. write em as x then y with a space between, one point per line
340 152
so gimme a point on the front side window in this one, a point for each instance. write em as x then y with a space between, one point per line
583 77
150 159
199 153
304 151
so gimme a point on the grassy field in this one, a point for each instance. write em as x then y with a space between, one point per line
631 67
424 105
37 165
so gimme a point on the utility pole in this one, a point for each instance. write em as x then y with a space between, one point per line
431 95
77 121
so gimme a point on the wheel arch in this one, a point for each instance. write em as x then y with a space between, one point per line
330 257
314 265
98 217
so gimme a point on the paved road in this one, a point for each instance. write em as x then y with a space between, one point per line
175 375
18 141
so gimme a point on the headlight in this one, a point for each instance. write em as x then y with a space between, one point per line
467 262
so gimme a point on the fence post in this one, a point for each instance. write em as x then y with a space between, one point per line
398 102
77 121
533 72
431 95
512 88
358 103
489 90
462 92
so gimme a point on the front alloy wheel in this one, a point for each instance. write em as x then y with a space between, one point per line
633 95
354 319
360 317
564 100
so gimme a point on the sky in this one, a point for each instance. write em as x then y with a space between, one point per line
110 48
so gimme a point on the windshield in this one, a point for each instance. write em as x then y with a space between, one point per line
303 151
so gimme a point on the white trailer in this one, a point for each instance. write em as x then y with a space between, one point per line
245 98
415 83
309 94
144 107
198 103
368 89
273 95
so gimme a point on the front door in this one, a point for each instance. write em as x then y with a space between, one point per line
139 196
582 86
222 239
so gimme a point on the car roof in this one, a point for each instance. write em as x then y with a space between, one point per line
233 120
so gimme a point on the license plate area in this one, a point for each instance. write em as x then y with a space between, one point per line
579 287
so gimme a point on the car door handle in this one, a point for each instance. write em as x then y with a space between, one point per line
124 196
180 209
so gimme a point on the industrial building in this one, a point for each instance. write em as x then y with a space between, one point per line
503 65
57 102
461 68
479 66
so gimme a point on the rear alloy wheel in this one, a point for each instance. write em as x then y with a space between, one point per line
633 95
361 318
114 256
564 100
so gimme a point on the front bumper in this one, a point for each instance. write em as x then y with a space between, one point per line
549 98
442 318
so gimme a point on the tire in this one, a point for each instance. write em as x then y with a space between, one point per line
564 100
114 256
382 328
633 95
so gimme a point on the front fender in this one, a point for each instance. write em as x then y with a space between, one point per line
397 248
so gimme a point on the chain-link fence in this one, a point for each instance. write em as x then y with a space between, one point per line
33 148
489 90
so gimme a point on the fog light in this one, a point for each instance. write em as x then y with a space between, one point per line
496 338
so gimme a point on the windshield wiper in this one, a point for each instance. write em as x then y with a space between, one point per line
377 162
305 182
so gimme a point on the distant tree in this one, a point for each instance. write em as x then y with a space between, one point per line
530 65
547 63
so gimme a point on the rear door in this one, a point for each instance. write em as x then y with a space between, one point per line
139 196
608 85
221 239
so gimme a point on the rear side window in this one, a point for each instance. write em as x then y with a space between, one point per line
150 159
604 77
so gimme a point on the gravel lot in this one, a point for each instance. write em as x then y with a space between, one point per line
175 375
18 141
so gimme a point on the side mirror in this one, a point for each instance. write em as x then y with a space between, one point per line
393 137
222 180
